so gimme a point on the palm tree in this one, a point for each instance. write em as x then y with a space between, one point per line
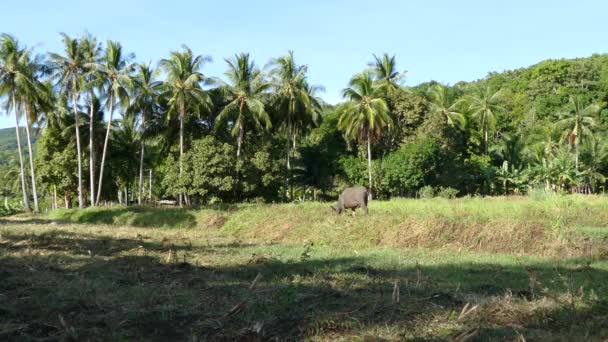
245 92
69 71
145 103
183 86
125 138
510 148
578 121
116 69
483 104
291 99
364 115
93 80
13 76
540 143
384 70
442 105
304 121
34 100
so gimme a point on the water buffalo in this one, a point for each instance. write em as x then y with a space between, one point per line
352 198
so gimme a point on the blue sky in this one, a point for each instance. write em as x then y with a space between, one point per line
447 41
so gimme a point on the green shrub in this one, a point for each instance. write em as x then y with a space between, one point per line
539 193
447 192
8 210
426 191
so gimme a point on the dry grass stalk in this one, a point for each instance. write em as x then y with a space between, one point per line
255 281
466 310
396 292
466 335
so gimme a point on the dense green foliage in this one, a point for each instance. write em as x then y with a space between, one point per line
264 134
9 162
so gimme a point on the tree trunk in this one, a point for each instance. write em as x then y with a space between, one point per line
485 140
293 155
91 152
79 157
66 200
288 164
369 163
105 149
32 171
55 196
576 156
182 114
150 187
26 201
141 174
239 140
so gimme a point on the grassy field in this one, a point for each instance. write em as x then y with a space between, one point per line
529 268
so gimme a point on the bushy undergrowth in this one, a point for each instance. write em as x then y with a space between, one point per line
8 210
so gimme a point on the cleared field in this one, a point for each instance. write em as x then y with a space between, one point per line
490 269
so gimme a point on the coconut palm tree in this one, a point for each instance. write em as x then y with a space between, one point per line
245 93
540 142
442 105
291 99
92 81
145 103
510 148
183 87
364 115
483 105
34 100
69 70
14 76
116 69
384 70
304 121
577 121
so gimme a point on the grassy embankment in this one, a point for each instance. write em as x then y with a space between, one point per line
413 269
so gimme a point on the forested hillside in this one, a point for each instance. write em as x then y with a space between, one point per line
261 132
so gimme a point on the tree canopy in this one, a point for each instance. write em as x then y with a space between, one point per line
265 134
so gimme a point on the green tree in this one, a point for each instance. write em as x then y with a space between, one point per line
14 74
145 103
183 87
483 106
245 93
510 148
69 70
292 101
34 99
126 138
577 123
93 80
364 115
406 170
210 164
442 104
55 153
540 142
384 70
116 69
